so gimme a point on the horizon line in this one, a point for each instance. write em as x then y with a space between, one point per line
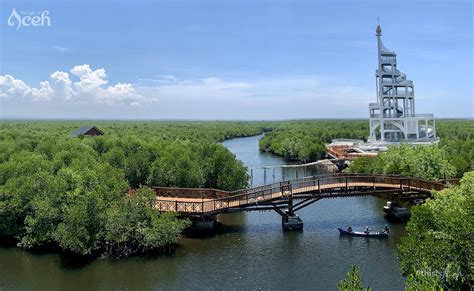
13 118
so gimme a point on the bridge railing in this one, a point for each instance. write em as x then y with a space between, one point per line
322 183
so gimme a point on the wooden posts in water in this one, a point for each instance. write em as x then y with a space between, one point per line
273 173
251 177
284 172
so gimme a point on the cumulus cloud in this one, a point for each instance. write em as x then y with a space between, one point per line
14 88
124 93
91 86
89 81
62 85
44 92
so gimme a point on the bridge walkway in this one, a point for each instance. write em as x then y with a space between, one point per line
189 201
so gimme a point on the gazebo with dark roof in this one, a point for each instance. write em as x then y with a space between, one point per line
87 130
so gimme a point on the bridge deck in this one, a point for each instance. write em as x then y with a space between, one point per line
315 187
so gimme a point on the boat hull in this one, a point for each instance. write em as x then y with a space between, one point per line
362 234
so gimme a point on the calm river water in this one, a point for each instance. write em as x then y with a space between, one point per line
250 250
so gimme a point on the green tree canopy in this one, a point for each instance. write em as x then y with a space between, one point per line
441 236
353 281
425 162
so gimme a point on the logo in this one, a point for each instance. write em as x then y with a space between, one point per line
27 19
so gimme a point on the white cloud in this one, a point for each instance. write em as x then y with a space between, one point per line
14 88
44 92
123 93
89 81
62 85
91 87
61 48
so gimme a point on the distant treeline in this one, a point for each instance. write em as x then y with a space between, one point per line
305 141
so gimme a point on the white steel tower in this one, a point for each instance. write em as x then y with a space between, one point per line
392 117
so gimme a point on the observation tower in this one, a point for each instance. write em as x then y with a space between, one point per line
392 117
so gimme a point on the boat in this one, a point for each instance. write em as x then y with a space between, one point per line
396 213
381 234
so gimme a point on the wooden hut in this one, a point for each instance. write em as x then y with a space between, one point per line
87 130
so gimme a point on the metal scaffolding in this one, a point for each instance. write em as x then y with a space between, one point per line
392 117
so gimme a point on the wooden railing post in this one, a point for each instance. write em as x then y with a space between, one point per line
176 206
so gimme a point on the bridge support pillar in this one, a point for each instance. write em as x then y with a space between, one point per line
289 219
205 223
291 222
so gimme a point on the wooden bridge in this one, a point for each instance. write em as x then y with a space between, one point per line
287 197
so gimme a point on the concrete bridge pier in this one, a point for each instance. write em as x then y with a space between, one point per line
291 222
205 223
289 219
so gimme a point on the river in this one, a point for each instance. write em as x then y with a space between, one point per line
249 251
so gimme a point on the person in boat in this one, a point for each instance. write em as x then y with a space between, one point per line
386 230
349 229
366 231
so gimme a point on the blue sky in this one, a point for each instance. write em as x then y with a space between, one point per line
230 59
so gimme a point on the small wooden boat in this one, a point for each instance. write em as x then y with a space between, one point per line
361 233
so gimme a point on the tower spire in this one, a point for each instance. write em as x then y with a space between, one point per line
378 30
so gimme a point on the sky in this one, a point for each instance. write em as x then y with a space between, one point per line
228 59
